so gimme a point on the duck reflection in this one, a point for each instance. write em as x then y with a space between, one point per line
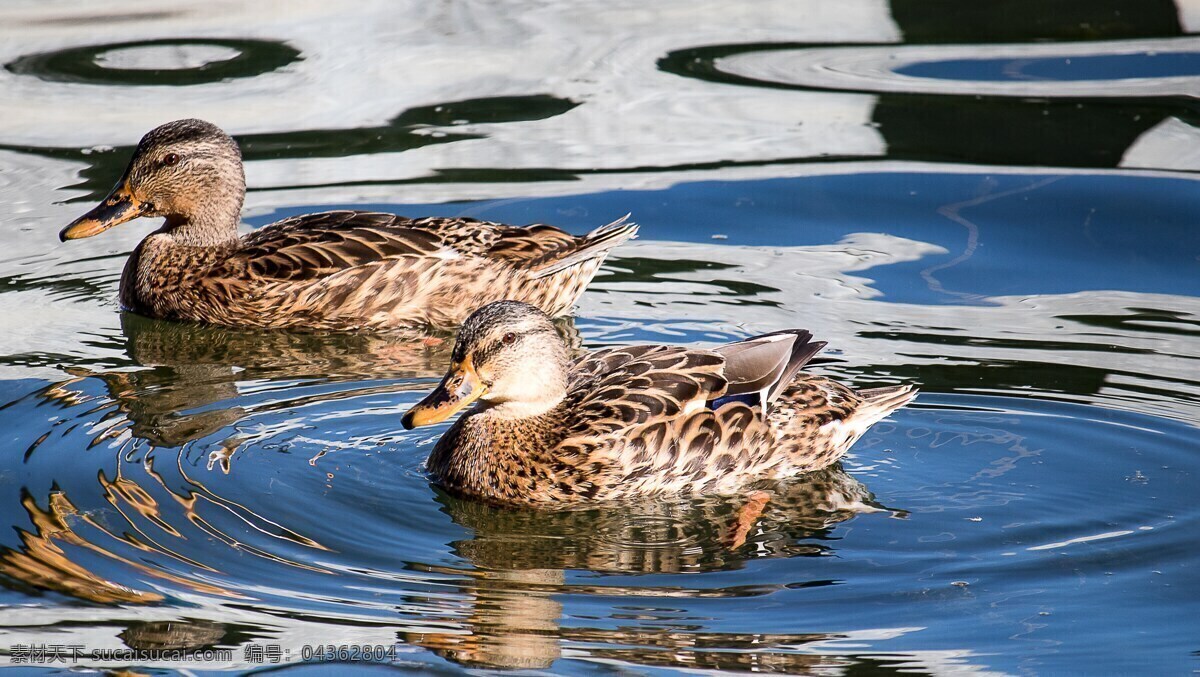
52 555
520 559
185 635
188 368
664 535
80 552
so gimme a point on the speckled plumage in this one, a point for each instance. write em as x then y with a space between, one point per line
638 420
355 270
340 270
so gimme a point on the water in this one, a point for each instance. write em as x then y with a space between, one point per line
994 203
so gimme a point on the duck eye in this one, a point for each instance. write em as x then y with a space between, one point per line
171 159
509 338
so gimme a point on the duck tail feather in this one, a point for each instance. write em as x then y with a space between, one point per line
595 245
879 402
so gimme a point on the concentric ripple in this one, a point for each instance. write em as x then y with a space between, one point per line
1088 69
172 62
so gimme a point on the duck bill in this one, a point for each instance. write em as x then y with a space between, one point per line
120 206
460 387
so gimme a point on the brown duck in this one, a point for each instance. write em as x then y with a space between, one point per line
619 422
341 270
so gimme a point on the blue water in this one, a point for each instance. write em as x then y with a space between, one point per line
1062 69
174 487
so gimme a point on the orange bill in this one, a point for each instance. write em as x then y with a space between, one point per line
461 386
120 206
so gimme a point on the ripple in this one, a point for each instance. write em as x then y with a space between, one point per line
318 518
168 62
1119 68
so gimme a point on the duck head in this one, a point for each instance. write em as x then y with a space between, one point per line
188 171
509 357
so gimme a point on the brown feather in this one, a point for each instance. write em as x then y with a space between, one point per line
349 270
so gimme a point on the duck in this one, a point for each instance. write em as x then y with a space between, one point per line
339 270
548 430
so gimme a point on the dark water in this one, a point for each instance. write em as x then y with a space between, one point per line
996 201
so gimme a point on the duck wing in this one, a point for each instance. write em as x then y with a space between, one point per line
521 244
618 388
615 389
637 421
759 368
314 246
591 247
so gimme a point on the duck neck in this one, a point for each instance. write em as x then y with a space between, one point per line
209 217
211 228
518 412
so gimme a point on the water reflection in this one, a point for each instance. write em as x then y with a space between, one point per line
187 368
664 536
1010 124
1148 68
667 536
184 635
512 631
519 561
642 583
43 561
941 21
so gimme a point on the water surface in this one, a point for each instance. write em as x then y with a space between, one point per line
939 194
